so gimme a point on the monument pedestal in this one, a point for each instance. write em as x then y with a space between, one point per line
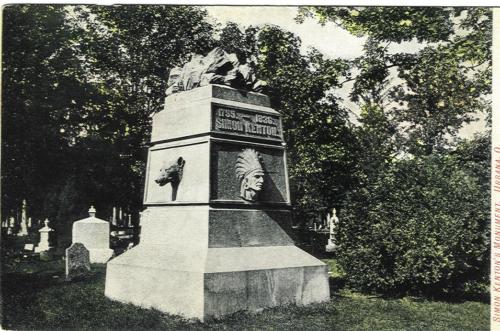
330 247
44 244
209 247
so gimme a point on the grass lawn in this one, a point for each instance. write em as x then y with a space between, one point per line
35 296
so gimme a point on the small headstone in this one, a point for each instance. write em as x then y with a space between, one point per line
10 225
113 219
77 262
23 231
29 247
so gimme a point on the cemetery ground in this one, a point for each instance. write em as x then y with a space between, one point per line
36 296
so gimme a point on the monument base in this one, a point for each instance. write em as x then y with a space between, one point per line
331 247
39 249
218 282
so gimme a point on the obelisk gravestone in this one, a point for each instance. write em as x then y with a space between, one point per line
214 235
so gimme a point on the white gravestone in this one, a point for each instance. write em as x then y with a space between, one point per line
94 234
29 247
11 225
23 231
113 220
333 221
43 245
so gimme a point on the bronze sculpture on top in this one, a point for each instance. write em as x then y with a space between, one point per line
218 67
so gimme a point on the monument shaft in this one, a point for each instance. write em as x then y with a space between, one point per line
214 235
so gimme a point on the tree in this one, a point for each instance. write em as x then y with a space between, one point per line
80 83
42 97
417 222
438 89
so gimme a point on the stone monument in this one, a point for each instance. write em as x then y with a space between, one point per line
44 245
94 234
77 262
214 233
332 221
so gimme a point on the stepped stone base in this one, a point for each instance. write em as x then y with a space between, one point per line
217 281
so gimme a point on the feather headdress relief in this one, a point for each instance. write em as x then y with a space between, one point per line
250 173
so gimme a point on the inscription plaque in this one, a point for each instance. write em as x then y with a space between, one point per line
246 123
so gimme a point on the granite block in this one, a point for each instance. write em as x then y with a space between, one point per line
178 122
176 228
172 291
217 281
249 98
214 91
227 293
242 228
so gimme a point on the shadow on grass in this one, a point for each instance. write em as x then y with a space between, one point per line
42 275
336 284
451 297
339 283
434 296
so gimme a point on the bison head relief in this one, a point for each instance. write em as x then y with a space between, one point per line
171 173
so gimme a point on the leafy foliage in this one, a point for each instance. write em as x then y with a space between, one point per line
387 23
417 222
42 97
431 93
419 227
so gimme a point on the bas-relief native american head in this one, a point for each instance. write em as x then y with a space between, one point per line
250 173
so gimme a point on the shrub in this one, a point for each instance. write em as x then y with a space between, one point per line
420 227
